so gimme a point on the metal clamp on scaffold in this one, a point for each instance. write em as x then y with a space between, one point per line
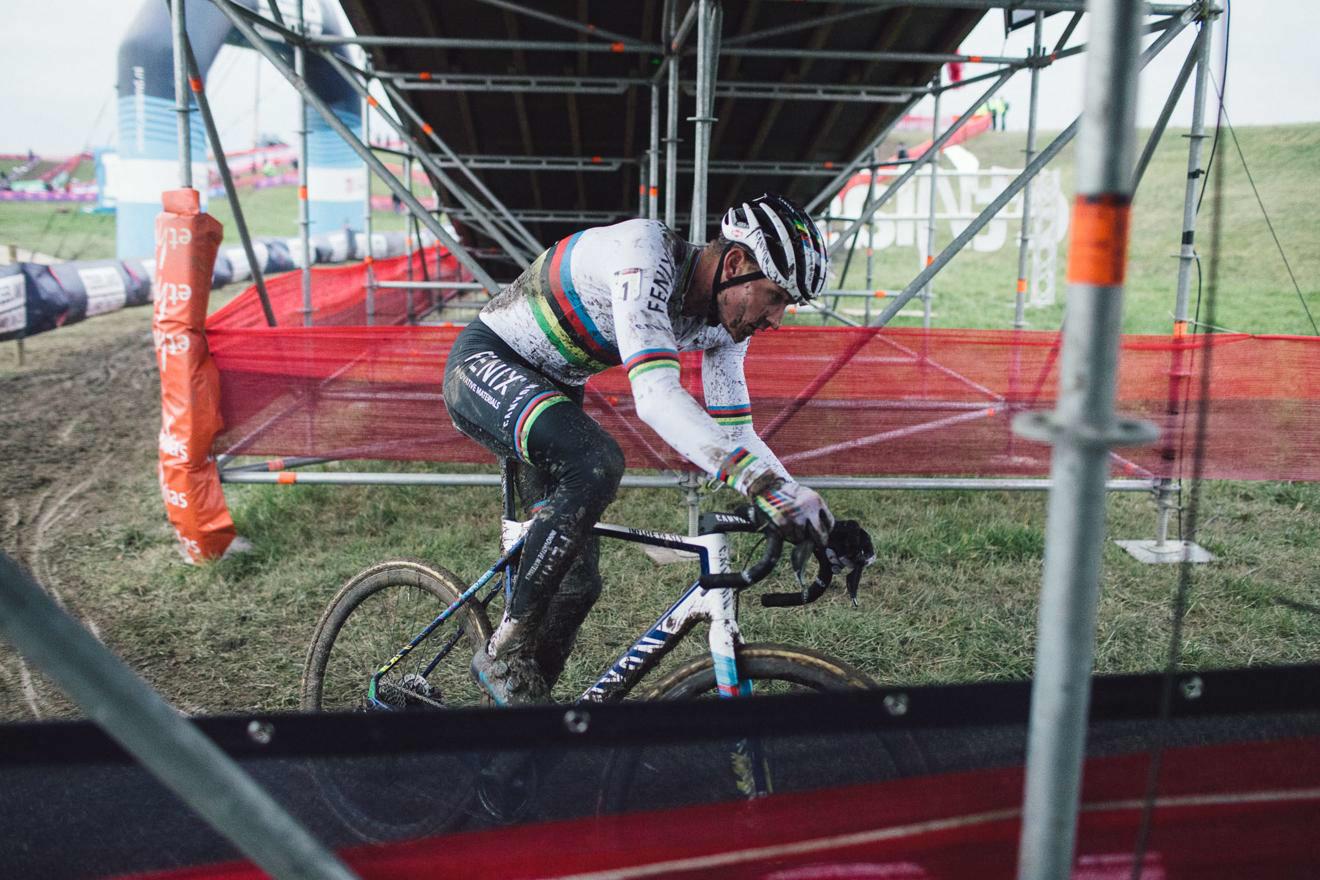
1045 427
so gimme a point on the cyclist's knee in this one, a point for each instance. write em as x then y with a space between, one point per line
579 455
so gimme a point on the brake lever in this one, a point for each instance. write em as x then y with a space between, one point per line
801 553
854 582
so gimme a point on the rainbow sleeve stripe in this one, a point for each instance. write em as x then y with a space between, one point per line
775 504
531 412
731 416
649 359
561 315
734 464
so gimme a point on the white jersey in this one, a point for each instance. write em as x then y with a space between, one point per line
613 295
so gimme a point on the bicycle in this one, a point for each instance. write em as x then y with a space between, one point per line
367 652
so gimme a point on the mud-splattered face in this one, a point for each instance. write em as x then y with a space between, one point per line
752 305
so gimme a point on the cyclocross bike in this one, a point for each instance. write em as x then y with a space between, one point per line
400 636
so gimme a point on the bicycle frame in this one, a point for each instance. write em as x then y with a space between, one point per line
718 606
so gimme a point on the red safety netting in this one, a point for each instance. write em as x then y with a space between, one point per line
338 297
829 400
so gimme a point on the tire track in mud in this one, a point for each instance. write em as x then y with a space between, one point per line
63 429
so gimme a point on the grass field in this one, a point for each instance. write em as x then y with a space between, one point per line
952 598
1256 294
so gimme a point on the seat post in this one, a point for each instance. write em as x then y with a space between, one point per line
508 486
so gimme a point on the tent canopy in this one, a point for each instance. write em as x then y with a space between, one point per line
559 110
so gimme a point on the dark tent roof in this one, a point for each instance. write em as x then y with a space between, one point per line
558 123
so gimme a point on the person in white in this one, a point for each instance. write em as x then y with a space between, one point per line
632 294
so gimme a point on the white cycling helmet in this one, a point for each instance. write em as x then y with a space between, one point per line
785 242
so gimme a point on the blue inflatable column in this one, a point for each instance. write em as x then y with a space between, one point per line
148 144
336 177
148 164
148 161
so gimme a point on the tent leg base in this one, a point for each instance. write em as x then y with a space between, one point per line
1157 552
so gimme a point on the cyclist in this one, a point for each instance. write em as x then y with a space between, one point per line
633 294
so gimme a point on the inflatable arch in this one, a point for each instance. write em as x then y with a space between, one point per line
148 139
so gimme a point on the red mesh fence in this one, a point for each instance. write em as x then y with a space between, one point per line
338 298
829 400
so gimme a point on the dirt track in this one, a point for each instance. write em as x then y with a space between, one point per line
77 435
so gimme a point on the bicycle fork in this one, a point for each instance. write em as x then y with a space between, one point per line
751 770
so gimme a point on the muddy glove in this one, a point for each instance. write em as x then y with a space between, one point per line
799 514
849 551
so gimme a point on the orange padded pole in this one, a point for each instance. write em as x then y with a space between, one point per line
186 244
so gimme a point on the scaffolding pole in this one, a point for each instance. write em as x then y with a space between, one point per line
615 48
254 39
221 163
589 29
653 157
1168 491
483 215
901 57
672 44
304 208
1034 5
178 19
257 473
1009 192
862 158
1196 138
710 17
1082 429
1162 122
399 101
1024 237
366 212
932 152
927 292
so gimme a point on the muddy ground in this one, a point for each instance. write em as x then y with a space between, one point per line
78 422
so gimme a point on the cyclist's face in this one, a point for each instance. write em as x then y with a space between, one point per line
753 305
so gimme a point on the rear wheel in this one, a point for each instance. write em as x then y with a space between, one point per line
376 614
663 776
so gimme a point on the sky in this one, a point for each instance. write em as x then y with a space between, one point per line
58 108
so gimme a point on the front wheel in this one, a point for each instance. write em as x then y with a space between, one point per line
772 669
378 612
664 776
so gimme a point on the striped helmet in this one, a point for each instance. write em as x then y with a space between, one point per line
786 243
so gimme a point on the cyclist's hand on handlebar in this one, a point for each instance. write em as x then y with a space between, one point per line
797 512
848 552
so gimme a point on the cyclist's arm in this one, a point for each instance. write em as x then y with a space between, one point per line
729 403
650 355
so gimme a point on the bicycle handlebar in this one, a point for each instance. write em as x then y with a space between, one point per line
760 569
736 580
